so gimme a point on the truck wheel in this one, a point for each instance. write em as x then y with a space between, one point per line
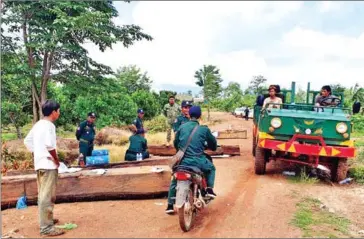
341 170
260 160
254 144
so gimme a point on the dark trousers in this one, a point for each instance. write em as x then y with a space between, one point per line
131 156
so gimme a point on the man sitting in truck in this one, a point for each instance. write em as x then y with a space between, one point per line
326 98
272 101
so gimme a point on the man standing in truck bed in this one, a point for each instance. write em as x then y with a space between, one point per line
171 111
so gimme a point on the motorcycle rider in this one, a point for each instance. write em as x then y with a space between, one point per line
194 154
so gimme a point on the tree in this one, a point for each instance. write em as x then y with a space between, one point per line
148 102
337 88
132 79
53 34
256 84
232 88
15 93
164 96
189 92
357 93
300 96
208 77
112 108
202 73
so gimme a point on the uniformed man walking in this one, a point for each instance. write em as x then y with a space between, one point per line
138 144
138 122
194 154
85 134
171 111
184 117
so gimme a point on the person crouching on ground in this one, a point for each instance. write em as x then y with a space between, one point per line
41 141
194 154
138 144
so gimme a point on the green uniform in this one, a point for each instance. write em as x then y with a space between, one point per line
138 144
180 121
194 155
86 134
171 112
138 123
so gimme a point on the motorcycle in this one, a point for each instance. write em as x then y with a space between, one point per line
191 194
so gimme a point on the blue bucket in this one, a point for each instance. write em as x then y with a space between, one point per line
97 160
100 152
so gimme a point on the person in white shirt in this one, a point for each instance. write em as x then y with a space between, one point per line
272 99
41 141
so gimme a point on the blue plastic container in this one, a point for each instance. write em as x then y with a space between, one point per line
97 160
100 152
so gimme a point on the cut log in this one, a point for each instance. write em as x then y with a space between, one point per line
116 183
126 164
164 150
232 134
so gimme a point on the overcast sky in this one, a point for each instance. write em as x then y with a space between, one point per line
321 42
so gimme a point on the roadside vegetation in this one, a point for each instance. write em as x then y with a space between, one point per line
315 220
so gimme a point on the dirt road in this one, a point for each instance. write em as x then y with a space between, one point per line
247 205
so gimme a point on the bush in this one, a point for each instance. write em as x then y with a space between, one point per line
357 173
358 122
148 102
18 160
112 109
157 124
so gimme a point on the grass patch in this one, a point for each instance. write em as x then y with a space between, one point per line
117 153
303 178
357 173
8 136
317 222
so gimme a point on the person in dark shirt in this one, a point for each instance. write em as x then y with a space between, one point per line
138 144
85 134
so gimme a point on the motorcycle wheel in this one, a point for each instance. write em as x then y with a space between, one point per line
187 213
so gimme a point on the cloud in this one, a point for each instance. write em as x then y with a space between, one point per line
185 36
329 6
323 44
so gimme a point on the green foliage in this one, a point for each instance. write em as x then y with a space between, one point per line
357 173
316 222
232 88
202 74
157 124
358 122
300 96
148 102
257 84
53 34
303 178
208 77
132 79
112 108
13 113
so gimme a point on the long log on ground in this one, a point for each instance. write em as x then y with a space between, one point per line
85 185
232 134
146 162
164 150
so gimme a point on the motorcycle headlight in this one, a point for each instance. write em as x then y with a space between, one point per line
276 123
341 128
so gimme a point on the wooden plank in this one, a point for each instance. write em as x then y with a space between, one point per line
163 150
232 134
116 183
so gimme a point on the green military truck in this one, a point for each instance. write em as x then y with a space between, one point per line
301 133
